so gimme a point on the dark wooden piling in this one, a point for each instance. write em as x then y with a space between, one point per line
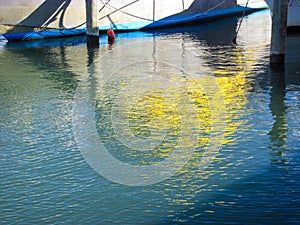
279 31
92 29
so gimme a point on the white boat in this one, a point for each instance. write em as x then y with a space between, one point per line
293 19
71 14
37 15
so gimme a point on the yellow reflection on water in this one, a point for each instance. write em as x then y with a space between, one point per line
164 118
155 113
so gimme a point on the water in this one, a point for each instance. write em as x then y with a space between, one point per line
228 125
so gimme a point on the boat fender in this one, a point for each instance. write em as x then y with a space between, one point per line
110 36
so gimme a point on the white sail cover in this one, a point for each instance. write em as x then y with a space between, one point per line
114 12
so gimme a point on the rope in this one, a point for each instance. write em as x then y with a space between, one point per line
170 20
116 10
104 5
244 13
120 10
153 16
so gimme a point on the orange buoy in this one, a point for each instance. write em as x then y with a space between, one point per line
110 36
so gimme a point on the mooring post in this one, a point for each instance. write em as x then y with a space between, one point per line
92 29
279 31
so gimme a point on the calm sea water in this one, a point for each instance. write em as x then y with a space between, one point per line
177 126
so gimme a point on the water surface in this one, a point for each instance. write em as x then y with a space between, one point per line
153 94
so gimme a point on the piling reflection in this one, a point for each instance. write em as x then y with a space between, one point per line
278 134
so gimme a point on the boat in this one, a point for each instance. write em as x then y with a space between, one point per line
293 19
36 19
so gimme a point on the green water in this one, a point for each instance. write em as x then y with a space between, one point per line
174 127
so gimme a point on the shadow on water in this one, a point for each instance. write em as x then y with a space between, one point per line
56 59
51 61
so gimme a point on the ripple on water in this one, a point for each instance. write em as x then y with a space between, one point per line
252 179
